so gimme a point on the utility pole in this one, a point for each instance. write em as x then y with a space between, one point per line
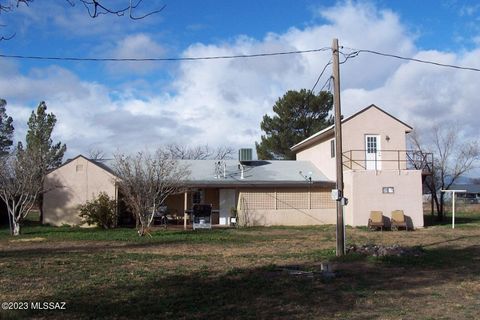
341 201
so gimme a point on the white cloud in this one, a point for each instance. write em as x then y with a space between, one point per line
134 46
222 102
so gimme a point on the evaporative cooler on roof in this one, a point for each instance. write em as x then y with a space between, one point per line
245 155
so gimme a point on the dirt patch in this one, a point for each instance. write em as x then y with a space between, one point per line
36 239
382 251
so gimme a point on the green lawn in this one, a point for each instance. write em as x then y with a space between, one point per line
241 273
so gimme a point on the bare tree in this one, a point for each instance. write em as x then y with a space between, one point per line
96 154
146 180
94 8
19 186
199 152
453 157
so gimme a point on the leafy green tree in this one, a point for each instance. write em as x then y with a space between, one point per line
40 145
6 129
298 115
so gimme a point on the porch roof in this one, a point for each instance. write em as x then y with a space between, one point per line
257 173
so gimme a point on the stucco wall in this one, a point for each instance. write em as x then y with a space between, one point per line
364 191
72 185
375 122
320 156
285 206
287 217
369 122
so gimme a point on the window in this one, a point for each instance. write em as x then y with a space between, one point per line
371 144
79 168
197 196
332 148
388 190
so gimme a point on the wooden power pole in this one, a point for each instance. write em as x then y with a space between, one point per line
338 150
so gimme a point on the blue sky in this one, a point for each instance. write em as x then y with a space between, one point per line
129 106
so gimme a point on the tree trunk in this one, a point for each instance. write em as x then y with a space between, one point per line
40 207
16 228
141 230
10 223
440 207
432 206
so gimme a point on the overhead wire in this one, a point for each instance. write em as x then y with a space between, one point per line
320 76
353 54
237 56
356 52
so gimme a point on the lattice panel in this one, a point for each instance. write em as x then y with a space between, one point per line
264 199
292 199
321 199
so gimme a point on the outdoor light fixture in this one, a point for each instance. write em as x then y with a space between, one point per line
387 138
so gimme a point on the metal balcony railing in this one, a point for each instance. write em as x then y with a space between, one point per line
388 160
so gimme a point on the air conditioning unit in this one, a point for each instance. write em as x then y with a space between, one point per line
245 155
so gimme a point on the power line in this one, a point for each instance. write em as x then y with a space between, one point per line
238 56
358 51
320 76
328 82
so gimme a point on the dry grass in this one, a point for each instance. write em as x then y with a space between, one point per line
238 274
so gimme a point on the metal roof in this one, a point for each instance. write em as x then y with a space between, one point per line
256 173
470 187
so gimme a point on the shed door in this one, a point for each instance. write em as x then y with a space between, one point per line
373 155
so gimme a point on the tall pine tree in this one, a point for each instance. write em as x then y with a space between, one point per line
40 145
298 115
6 129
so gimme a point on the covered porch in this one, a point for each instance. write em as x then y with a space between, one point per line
223 201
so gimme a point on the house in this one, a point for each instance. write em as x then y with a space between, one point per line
262 192
379 173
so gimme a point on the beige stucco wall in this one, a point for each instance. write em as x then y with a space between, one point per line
288 217
285 206
370 122
364 190
73 184
320 156
375 122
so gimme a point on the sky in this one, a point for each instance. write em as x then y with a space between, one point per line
131 106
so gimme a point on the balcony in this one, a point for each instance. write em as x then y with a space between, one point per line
388 160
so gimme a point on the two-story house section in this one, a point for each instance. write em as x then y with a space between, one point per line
380 174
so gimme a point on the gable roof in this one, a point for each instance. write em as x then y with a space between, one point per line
322 133
99 164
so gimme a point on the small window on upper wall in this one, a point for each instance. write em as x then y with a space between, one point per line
388 190
332 148
79 168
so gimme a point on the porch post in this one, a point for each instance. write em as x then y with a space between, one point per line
185 201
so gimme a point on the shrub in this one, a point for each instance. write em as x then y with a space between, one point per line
101 211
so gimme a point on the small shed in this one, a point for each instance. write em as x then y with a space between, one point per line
77 181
